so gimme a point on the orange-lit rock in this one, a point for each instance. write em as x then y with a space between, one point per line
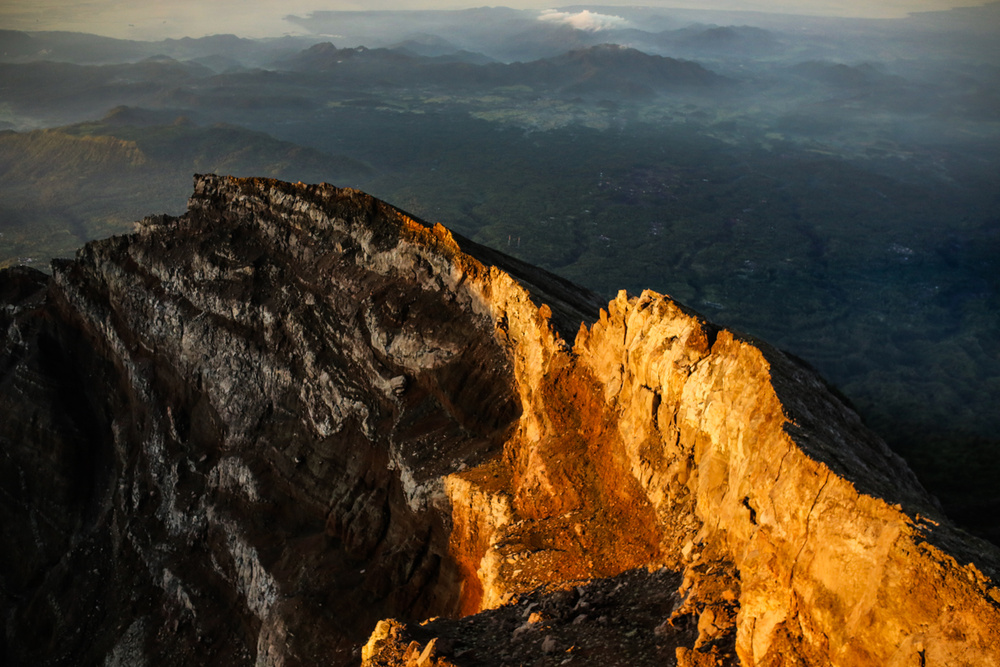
255 433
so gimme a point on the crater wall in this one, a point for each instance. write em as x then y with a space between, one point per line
251 434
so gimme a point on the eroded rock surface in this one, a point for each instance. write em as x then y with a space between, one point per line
255 433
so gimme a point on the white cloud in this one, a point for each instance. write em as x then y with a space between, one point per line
585 20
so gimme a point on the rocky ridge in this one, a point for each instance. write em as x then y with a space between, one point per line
255 433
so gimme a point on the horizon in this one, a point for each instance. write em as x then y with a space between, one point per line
121 19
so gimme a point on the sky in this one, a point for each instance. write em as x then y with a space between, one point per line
159 19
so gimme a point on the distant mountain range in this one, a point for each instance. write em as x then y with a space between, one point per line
88 49
605 69
509 35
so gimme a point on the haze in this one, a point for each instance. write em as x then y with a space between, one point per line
195 18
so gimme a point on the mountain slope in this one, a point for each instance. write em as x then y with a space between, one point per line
245 435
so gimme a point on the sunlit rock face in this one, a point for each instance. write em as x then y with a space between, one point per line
254 433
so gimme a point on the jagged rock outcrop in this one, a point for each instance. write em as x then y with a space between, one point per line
255 433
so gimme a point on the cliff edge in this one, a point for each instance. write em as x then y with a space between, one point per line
296 425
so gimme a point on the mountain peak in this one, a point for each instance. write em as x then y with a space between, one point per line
269 425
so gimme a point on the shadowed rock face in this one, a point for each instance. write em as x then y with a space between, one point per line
246 435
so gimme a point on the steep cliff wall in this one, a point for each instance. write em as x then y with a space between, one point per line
247 434
836 547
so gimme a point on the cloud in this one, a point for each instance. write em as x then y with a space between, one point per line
585 20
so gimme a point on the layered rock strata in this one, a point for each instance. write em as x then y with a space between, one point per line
249 434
